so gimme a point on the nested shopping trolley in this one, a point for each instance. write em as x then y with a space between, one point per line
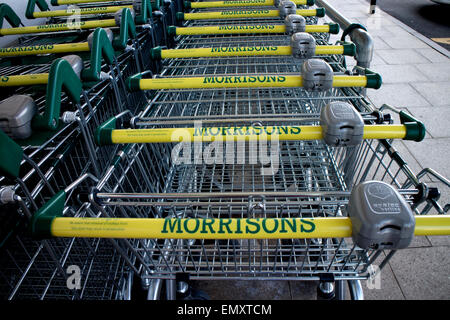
133 32
54 151
269 15
32 173
237 46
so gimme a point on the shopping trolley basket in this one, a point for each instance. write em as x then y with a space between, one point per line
32 174
248 33
124 19
129 58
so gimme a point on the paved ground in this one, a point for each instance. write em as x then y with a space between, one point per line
428 18
416 78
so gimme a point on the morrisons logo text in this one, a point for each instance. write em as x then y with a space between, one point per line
245 79
249 226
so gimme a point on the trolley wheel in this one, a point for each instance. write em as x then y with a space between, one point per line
190 293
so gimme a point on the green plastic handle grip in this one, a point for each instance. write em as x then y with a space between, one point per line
145 12
41 222
132 83
61 76
8 14
374 79
10 156
101 47
157 4
41 4
103 132
127 30
415 129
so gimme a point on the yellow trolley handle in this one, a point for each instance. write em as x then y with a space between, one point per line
253 13
107 23
211 228
247 81
80 11
109 136
247 29
45 48
24 80
239 3
158 53
63 2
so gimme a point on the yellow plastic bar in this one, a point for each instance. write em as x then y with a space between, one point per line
238 81
61 2
264 228
209 134
349 81
210 228
226 52
46 48
60 27
233 14
245 29
437 225
320 50
243 51
80 11
23 80
238 3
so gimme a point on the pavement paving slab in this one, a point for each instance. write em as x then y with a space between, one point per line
436 93
245 289
423 274
409 98
384 286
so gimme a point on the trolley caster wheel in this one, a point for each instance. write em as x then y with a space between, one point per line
187 292
326 291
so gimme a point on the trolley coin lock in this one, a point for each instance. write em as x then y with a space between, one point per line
317 75
303 45
381 218
286 8
295 23
342 125
16 114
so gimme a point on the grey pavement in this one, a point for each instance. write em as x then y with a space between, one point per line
416 78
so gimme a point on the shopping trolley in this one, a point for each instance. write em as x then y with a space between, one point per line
130 48
45 164
155 22
32 173
123 18
224 220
